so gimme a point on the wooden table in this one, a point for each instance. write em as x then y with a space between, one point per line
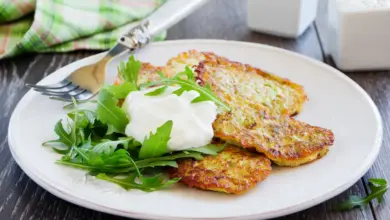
21 198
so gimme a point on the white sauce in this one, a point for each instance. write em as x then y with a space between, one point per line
192 122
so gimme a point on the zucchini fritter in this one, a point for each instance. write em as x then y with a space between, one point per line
260 118
250 84
286 141
234 170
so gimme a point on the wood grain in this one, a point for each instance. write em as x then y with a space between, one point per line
377 85
21 198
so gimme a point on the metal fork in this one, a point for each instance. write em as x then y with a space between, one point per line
85 82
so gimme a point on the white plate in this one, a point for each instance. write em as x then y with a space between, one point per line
335 102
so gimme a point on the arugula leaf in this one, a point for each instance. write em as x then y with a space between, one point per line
115 169
87 145
108 112
99 130
202 98
188 73
82 119
71 105
147 184
352 202
77 133
57 146
136 180
143 183
210 149
119 158
161 74
161 163
194 155
89 159
158 91
129 71
157 144
205 93
63 136
157 182
120 161
109 146
91 115
122 90
378 188
380 182
89 126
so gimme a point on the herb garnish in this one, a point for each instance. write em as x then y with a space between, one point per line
128 72
378 188
157 144
94 140
186 83
108 111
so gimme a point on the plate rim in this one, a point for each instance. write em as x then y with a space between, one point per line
78 200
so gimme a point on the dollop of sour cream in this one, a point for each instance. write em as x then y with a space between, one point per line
192 122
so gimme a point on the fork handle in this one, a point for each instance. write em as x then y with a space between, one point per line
134 40
164 17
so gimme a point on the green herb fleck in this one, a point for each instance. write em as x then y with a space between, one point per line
157 144
157 91
129 71
188 83
378 188
210 149
108 112
122 90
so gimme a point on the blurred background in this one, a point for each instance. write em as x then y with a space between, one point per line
345 27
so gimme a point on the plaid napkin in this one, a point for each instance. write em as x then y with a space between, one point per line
66 25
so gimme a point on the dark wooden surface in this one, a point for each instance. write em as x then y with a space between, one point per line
21 198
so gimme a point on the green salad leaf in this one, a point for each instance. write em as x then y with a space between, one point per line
83 118
378 188
132 181
186 83
157 91
63 136
173 156
57 146
210 149
122 90
108 112
94 140
157 143
109 146
120 161
129 71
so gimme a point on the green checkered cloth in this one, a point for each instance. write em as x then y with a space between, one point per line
67 25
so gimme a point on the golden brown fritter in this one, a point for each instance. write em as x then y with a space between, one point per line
259 119
234 170
280 96
285 141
